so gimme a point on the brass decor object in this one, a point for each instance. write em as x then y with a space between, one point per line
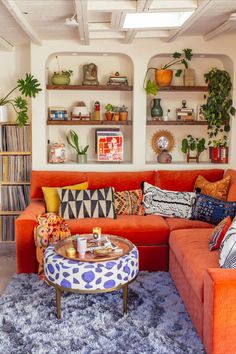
163 140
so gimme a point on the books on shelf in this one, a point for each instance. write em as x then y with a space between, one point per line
7 227
14 197
15 138
184 114
15 168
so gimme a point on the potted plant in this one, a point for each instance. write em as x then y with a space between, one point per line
164 74
217 111
109 111
116 114
73 141
123 113
61 77
218 151
28 87
191 144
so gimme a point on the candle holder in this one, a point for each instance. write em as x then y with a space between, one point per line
97 232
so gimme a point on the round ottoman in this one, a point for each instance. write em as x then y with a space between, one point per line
86 277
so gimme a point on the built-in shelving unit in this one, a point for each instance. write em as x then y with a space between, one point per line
91 87
88 122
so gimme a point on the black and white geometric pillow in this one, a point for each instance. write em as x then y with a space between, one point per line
228 248
167 203
90 203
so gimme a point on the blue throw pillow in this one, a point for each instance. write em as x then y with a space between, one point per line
212 210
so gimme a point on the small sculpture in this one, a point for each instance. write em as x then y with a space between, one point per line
90 74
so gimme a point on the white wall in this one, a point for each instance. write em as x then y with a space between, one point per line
140 53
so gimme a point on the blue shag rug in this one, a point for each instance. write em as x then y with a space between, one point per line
157 321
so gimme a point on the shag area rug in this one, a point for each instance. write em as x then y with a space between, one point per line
157 321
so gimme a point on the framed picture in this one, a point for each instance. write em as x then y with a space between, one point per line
110 146
200 114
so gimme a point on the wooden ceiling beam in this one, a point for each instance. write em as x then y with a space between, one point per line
21 20
224 27
202 8
5 45
81 7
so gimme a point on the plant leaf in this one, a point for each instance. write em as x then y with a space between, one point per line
29 86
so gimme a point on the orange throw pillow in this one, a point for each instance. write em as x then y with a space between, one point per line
217 189
129 202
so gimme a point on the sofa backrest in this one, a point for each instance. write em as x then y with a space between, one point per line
41 179
184 180
232 187
119 180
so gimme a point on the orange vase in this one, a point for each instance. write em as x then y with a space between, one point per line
163 77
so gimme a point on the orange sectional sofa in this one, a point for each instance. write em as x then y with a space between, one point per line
177 245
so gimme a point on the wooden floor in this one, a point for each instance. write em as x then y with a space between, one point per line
7 263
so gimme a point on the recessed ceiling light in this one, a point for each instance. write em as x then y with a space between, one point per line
156 19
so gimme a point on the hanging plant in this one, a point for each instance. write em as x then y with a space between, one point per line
219 105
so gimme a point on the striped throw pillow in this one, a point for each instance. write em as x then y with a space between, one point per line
219 233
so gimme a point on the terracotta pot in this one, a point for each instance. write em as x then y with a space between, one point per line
123 116
108 115
116 117
163 77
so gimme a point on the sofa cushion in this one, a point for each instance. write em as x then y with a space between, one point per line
218 189
179 223
121 181
191 250
212 210
41 179
183 180
129 202
52 199
141 230
218 233
167 203
90 203
232 187
227 256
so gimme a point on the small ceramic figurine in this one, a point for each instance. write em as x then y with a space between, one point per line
90 74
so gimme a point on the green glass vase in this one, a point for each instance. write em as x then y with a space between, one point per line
156 111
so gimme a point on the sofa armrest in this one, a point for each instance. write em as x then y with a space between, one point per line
219 330
24 235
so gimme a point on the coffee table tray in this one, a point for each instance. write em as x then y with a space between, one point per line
125 245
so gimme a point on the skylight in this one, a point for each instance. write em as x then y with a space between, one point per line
156 19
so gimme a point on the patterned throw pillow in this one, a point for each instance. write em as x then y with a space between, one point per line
218 233
217 189
167 203
228 248
129 202
212 210
91 203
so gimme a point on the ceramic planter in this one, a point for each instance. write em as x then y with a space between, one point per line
123 116
82 158
60 79
163 77
218 154
3 114
109 115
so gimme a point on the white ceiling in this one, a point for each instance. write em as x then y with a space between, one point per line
22 21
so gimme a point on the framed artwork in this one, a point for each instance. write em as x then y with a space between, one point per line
110 146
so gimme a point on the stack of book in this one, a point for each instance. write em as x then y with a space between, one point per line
117 80
7 227
15 138
184 114
57 113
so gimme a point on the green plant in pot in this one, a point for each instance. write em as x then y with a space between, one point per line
61 77
123 112
73 141
109 111
163 75
218 108
193 144
28 87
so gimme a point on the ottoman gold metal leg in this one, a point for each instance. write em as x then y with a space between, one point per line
58 301
125 299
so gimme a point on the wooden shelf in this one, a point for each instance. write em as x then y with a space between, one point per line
9 183
176 122
14 212
184 88
15 153
90 87
88 122
11 123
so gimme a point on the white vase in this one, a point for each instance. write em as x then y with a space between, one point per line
3 114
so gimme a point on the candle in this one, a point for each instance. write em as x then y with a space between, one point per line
97 231
71 252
